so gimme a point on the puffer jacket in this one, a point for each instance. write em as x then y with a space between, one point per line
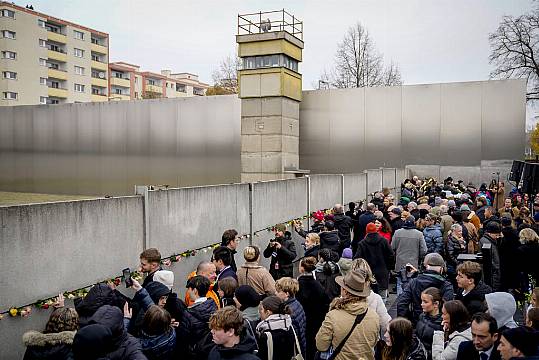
337 325
451 349
475 299
282 335
425 328
325 273
434 239
495 280
299 321
194 326
344 226
258 277
53 346
99 295
158 346
125 346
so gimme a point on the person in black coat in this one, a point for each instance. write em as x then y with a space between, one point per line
55 342
485 331
376 251
510 260
430 319
99 295
529 253
312 245
326 271
471 290
395 219
364 219
329 238
230 240
193 332
344 225
150 263
282 252
122 345
314 300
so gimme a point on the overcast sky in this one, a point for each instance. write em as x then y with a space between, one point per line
431 41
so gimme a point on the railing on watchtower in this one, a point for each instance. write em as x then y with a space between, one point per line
270 21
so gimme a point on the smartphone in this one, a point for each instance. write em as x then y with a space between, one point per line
127 277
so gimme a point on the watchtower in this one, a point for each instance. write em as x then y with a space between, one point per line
270 46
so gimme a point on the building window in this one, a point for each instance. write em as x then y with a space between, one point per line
8 13
10 95
118 91
98 74
9 75
198 91
258 62
8 34
180 88
9 55
79 70
136 95
151 82
42 99
42 43
42 81
79 88
78 52
42 62
53 66
78 34
41 23
53 101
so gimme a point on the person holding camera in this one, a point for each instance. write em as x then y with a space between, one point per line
431 277
282 252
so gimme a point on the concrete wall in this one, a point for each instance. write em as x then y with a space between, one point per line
355 187
454 124
54 247
374 180
108 148
326 191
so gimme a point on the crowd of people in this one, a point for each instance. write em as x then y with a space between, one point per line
337 305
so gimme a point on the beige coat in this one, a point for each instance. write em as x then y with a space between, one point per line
256 276
338 323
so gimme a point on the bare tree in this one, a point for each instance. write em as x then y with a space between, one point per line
225 76
515 50
358 64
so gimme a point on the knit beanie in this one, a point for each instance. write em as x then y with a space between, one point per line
523 338
247 297
156 290
165 277
371 228
347 253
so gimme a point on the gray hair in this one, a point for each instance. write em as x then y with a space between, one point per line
337 209
456 227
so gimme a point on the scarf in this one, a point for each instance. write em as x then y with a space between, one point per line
274 322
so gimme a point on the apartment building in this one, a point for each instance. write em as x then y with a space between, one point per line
50 61
128 82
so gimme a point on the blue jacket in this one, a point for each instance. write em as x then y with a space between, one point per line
434 239
299 322
158 346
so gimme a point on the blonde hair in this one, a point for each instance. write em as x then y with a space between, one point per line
314 237
527 235
287 285
251 253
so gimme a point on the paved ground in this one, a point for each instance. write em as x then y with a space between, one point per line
18 198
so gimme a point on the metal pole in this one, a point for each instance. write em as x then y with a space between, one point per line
308 201
250 213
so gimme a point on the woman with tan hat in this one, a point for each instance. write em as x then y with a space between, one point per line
350 329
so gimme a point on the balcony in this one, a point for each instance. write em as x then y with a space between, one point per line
99 98
99 49
56 55
57 74
99 65
57 92
120 82
154 89
100 82
59 38
119 97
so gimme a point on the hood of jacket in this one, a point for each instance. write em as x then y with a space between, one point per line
353 308
417 350
373 239
247 345
251 265
275 322
36 338
158 342
330 236
502 306
99 295
480 290
434 276
110 317
327 267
